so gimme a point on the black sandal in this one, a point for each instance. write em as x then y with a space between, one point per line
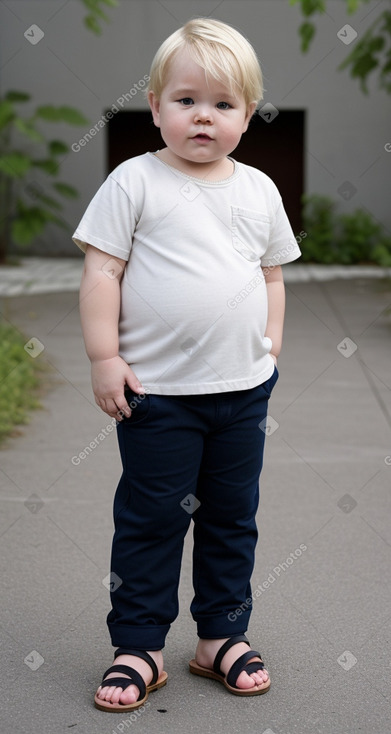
238 667
134 679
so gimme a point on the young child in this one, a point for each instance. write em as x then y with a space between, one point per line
182 308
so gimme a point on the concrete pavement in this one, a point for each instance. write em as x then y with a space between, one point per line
321 584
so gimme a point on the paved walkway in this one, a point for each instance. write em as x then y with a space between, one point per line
321 583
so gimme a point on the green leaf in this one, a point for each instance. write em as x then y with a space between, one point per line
7 113
309 7
96 13
96 10
15 164
61 114
353 5
307 32
376 44
66 190
92 24
386 68
30 221
71 116
57 147
364 66
26 128
48 112
28 225
15 96
48 165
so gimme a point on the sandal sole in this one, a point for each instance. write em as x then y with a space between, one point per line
207 673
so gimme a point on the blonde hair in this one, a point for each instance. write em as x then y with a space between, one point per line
218 48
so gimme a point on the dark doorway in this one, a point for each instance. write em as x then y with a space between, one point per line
276 147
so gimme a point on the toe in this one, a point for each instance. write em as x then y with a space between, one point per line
116 695
101 692
265 675
109 692
130 695
245 681
260 677
257 678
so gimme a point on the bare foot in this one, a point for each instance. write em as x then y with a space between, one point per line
206 653
130 694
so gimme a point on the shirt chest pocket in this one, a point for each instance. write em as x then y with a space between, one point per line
250 232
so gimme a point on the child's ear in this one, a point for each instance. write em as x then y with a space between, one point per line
250 111
154 104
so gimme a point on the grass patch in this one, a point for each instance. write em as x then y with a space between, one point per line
19 381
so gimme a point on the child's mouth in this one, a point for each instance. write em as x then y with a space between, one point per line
202 137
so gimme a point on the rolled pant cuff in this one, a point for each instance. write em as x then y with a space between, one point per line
139 638
227 625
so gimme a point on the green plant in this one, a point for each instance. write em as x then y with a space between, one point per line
18 380
357 236
95 13
319 224
372 50
26 159
334 237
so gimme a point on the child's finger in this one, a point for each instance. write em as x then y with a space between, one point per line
109 406
122 409
133 382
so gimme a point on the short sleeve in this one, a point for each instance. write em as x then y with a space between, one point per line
108 222
283 247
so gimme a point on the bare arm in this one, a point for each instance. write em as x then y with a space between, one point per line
100 299
276 308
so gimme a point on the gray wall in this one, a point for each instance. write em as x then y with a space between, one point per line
346 131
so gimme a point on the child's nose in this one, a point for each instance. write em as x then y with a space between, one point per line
203 114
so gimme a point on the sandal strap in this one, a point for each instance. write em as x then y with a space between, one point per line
144 656
224 648
240 665
253 667
134 679
119 683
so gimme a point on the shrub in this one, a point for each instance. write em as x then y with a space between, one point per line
335 238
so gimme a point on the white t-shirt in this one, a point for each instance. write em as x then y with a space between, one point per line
193 295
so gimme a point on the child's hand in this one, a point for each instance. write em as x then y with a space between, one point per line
109 377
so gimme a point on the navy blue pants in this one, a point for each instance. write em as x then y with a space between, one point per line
193 457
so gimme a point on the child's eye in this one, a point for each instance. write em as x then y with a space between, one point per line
186 101
227 105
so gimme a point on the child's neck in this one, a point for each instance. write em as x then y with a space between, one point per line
214 171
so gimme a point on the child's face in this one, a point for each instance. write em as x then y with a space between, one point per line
199 121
